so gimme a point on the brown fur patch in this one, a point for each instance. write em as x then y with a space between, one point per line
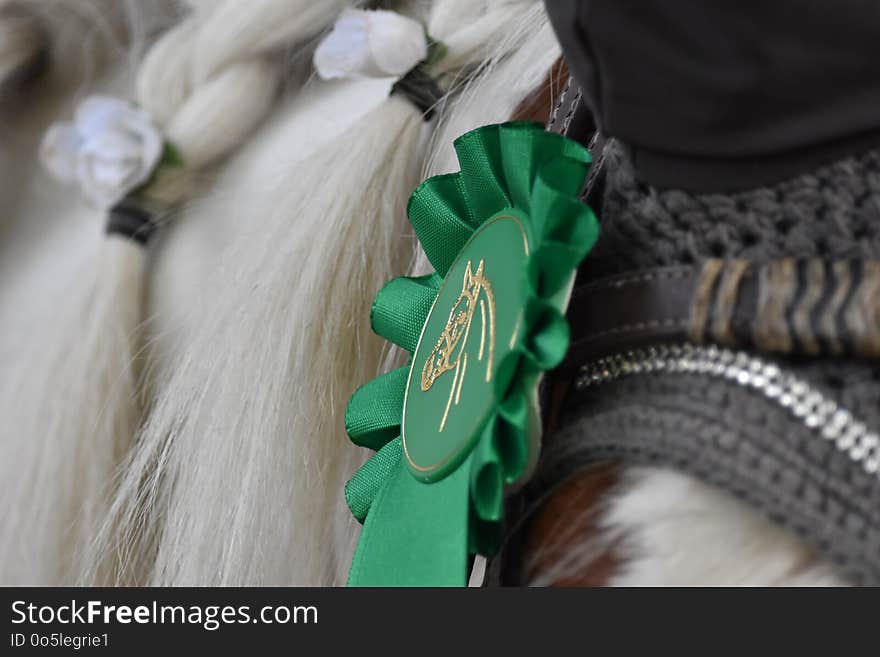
569 516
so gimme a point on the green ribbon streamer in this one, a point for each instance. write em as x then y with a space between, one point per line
415 534
418 534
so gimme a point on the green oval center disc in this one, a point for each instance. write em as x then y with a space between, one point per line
474 323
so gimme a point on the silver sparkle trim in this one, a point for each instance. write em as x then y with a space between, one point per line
808 405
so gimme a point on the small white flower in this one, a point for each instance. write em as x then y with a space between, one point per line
371 44
110 148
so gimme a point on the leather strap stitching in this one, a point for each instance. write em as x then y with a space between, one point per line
629 328
630 279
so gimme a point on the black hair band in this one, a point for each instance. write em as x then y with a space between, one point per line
421 89
130 221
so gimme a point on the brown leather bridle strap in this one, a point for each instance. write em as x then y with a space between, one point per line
808 306
630 310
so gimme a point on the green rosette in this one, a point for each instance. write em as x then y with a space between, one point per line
460 423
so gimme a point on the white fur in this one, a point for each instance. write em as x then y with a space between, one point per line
668 529
678 531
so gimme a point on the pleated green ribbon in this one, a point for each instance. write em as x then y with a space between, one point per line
421 525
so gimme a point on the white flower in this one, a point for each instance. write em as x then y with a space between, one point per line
110 148
372 44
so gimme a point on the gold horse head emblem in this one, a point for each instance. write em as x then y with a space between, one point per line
448 354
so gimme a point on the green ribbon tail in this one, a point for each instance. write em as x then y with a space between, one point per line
415 534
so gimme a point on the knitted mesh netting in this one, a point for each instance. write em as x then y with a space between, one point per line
833 212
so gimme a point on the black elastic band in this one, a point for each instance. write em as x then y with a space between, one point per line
420 89
130 221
